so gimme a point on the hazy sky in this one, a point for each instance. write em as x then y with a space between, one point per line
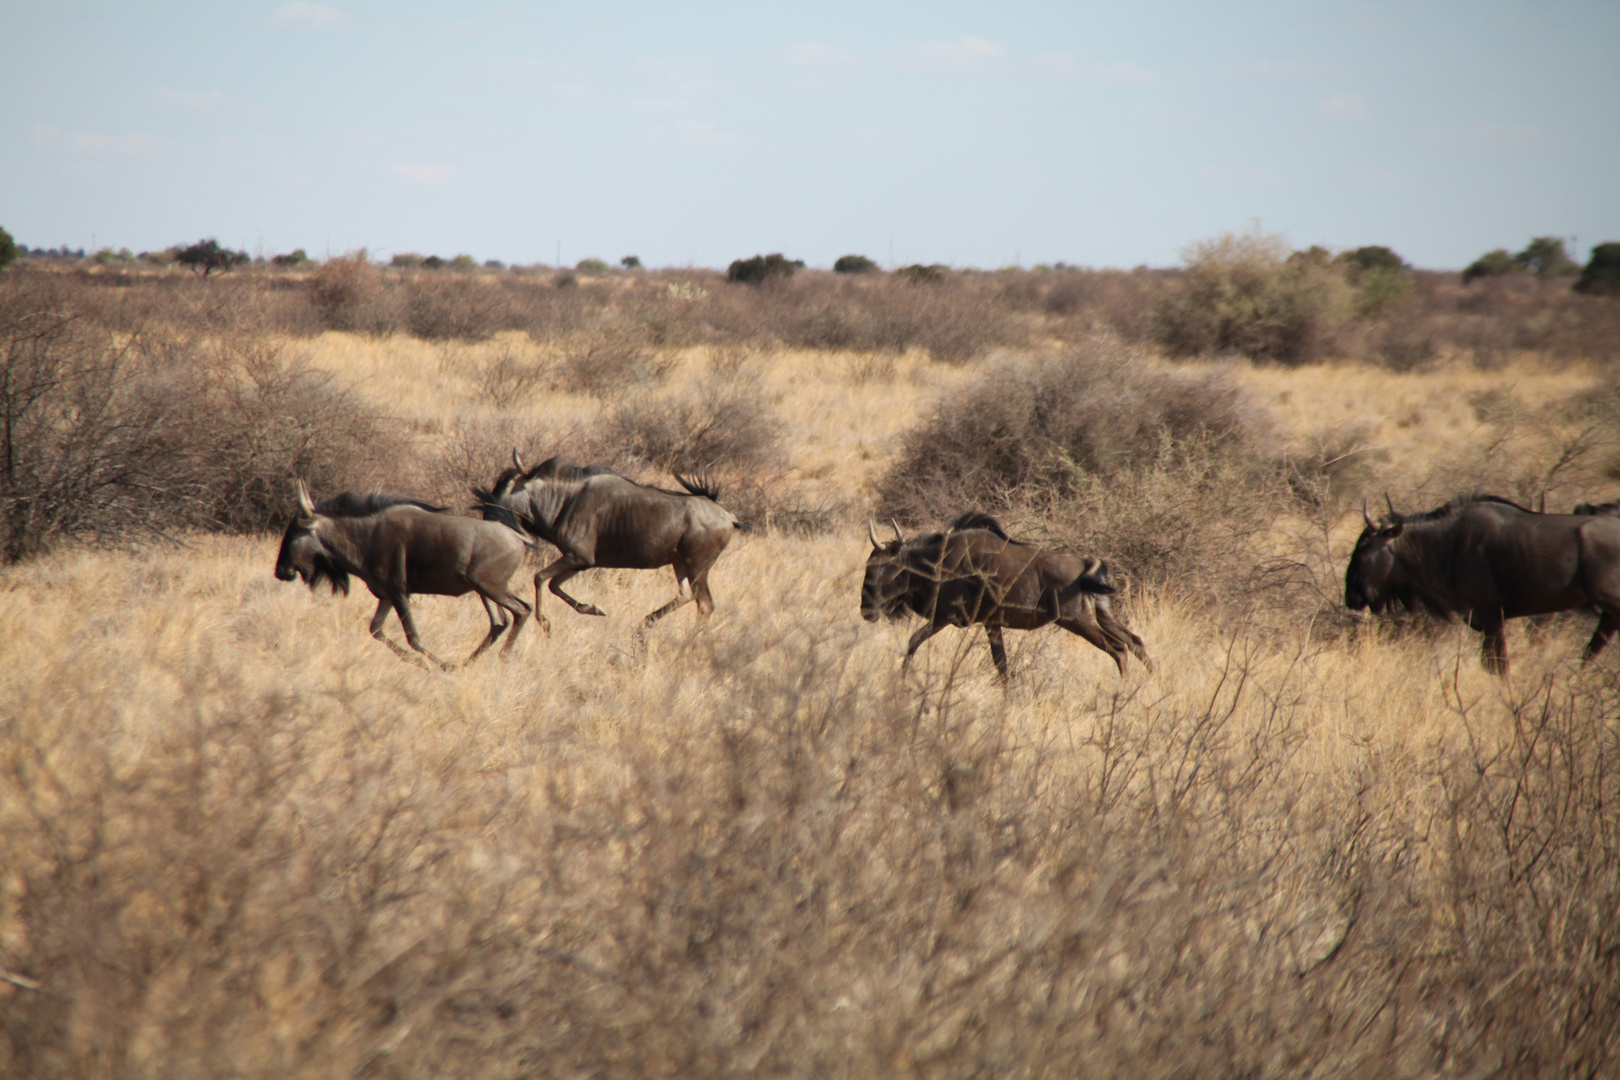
1104 134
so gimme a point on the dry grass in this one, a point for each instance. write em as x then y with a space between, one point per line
238 837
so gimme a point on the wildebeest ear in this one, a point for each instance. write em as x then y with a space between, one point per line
306 505
871 533
1392 531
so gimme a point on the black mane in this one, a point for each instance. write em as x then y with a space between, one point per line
977 519
1456 506
354 504
555 468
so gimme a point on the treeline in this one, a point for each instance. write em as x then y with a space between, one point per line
1237 295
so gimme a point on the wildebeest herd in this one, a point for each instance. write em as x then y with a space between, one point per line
1485 558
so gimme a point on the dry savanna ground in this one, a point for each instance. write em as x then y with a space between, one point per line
239 837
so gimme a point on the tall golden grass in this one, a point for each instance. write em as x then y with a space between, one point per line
238 837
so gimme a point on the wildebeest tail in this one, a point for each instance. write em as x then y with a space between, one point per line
701 486
1093 579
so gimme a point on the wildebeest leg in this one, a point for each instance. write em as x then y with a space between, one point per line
998 650
1607 625
518 609
1493 650
402 606
1083 625
1121 633
927 631
557 573
683 594
384 606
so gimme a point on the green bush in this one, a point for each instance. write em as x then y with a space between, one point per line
630 262
1602 273
762 268
292 258
854 264
1244 294
8 249
1546 258
591 266
463 262
406 260
1496 263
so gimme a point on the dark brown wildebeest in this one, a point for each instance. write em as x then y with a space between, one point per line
1489 560
973 574
597 518
1608 509
399 546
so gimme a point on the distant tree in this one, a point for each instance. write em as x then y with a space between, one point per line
292 258
206 256
1546 258
591 266
463 262
1372 257
1491 264
630 262
1601 277
854 264
494 264
8 249
432 262
406 260
762 268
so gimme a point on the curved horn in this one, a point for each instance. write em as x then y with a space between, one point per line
898 535
1392 514
871 533
517 459
1366 516
306 505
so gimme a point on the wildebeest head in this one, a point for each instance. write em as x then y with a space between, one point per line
883 590
302 553
1367 578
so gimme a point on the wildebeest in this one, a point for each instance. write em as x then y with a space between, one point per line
597 518
973 574
1489 560
1609 509
399 546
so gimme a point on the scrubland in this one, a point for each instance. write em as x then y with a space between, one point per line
239 837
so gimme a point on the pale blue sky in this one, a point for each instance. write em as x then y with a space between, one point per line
965 133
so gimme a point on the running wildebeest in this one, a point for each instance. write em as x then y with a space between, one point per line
973 574
1489 560
399 546
597 518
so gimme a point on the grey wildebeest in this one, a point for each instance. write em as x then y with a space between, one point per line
399 546
1489 560
973 574
597 518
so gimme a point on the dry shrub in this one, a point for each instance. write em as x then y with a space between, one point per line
608 361
807 874
1243 294
716 424
461 307
350 293
103 434
508 379
1166 473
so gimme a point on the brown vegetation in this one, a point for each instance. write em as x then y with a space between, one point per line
238 838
